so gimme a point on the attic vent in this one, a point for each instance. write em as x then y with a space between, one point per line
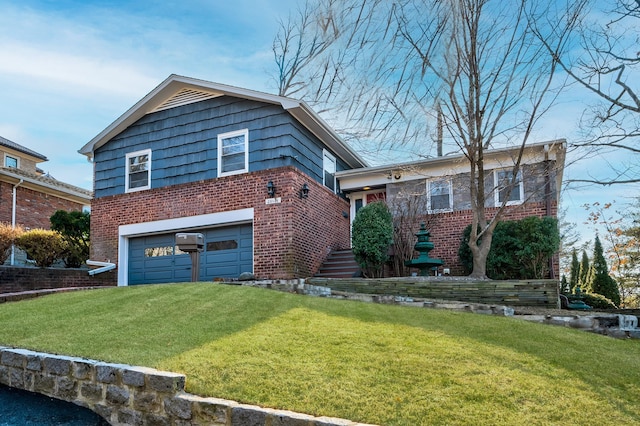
184 97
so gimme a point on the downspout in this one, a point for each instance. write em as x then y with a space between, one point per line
13 218
547 199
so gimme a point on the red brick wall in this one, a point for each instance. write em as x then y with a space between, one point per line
18 279
291 238
446 231
33 209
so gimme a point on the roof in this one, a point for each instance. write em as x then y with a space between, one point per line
355 179
44 183
17 147
179 90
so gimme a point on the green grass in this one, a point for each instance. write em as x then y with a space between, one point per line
371 363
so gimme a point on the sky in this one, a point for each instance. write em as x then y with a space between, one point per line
69 68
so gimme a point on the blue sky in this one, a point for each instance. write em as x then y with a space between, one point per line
69 68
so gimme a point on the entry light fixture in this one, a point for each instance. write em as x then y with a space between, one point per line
304 192
271 189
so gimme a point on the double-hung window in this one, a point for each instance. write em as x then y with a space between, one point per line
329 170
504 182
233 155
138 173
11 161
440 195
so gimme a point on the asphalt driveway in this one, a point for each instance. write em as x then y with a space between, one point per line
21 408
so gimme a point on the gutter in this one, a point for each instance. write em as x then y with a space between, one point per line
13 219
104 267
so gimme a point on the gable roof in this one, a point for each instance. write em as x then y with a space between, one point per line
179 90
17 147
46 184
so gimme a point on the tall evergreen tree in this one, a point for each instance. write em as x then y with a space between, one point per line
584 270
575 271
600 281
564 285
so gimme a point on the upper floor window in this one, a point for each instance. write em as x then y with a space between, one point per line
440 197
10 161
233 155
138 175
329 170
505 181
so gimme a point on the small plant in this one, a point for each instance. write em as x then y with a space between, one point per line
43 246
8 235
372 234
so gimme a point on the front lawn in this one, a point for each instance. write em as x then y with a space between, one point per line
371 363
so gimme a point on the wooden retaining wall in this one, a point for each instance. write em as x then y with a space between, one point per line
543 293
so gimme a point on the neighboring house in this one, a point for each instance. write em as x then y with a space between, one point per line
436 191
29 197
253 172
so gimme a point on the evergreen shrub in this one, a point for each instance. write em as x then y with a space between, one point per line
372 234
519 249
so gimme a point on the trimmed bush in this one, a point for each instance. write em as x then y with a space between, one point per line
372 234
43 246
8 235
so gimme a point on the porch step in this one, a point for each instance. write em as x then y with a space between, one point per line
339 264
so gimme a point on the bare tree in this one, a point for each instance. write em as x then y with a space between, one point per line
475 64
607 65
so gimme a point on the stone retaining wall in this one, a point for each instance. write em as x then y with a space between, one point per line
540 293
128 395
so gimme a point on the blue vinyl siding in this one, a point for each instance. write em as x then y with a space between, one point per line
183 141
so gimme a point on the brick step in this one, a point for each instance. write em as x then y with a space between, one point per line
339 264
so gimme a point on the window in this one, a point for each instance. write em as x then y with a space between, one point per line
138 175
329 168
440 197
504 180
233 155
222 245
10 161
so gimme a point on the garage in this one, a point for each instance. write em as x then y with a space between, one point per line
228 251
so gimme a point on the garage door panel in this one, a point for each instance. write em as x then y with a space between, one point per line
228 253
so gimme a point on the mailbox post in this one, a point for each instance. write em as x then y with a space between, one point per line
192 243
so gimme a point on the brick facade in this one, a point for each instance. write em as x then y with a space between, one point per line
33 208
446 230
291 238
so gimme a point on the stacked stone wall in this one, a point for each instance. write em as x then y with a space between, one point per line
129 395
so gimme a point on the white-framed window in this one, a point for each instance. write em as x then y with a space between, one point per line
233 152
440 195
504 181
10 161
138 171
329 170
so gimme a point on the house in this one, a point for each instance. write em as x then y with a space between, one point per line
436 191
28 196
254 173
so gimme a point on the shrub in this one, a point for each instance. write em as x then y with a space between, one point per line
74 228
8 235
597 301
519 249
43 246
372 234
